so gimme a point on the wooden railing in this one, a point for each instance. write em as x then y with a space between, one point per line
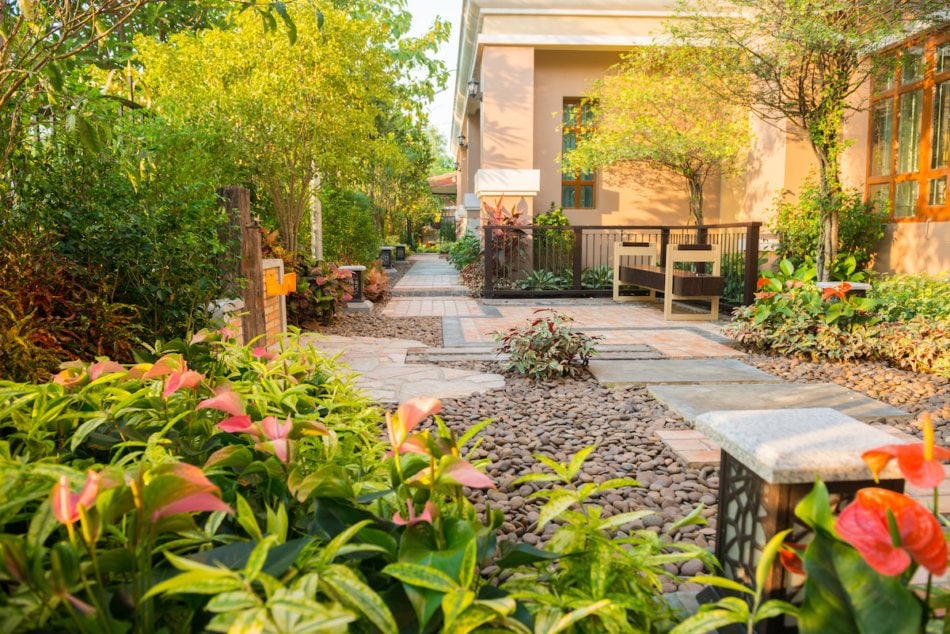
547 261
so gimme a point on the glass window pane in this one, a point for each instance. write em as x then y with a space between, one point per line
568 141
912 65
938 192
587 176
905 199
882 134
942 58
884 74
908 131
567 196
587 197
880 196
940 128
587 114
570 114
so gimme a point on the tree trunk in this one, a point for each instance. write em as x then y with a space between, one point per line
695 184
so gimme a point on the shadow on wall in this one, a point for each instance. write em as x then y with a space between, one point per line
915 247
507 121
661 198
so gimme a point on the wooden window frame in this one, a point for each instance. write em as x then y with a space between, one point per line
922 211
577 183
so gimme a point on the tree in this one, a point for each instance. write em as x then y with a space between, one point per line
292 108
651 109
804 60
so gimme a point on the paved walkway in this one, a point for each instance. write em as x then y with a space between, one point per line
673 359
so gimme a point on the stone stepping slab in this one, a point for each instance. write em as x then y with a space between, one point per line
620 373
689 401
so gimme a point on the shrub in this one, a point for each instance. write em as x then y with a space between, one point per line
376 285
553 248
473 276
597 277
349 233
797 225
464 251
546 346
322 290
539 279
901 297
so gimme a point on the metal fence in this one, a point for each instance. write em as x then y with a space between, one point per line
548 261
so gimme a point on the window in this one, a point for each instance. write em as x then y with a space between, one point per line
909 153
577 188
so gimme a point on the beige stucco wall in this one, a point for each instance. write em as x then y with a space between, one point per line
631 195
914 247
572 25
507 111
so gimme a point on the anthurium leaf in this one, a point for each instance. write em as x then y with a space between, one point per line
351 591
845 595
514 554
814 510
767 558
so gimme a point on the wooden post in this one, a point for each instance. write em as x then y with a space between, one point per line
664 242
751 262
252 269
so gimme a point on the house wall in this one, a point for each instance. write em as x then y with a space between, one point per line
507 111
630 195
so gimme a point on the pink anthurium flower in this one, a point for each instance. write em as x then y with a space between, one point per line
408 415
239 425
181 488
225 400
101 368
918 462
277 434
165 366
70 377
865 525
427 514
188 379
260 352
65 504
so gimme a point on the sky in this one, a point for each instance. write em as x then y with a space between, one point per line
424 13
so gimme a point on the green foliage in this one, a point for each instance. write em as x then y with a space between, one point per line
901 297
540 280
464 251
791 317
652 109
321 291
588 578
798 225
597 277
52 309
349 234
553 248
376 282
546 346
732 268
473 276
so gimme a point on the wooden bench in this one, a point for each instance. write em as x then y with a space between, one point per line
674 283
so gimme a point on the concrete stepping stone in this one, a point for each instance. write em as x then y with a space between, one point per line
623 373
689 401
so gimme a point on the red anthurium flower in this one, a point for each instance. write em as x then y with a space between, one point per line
181 488
277 434
101 368
225 400
790 555
239 425
183 379
762 281
864 525
918 462
839 291
408 415
426 516
260 352
65 504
